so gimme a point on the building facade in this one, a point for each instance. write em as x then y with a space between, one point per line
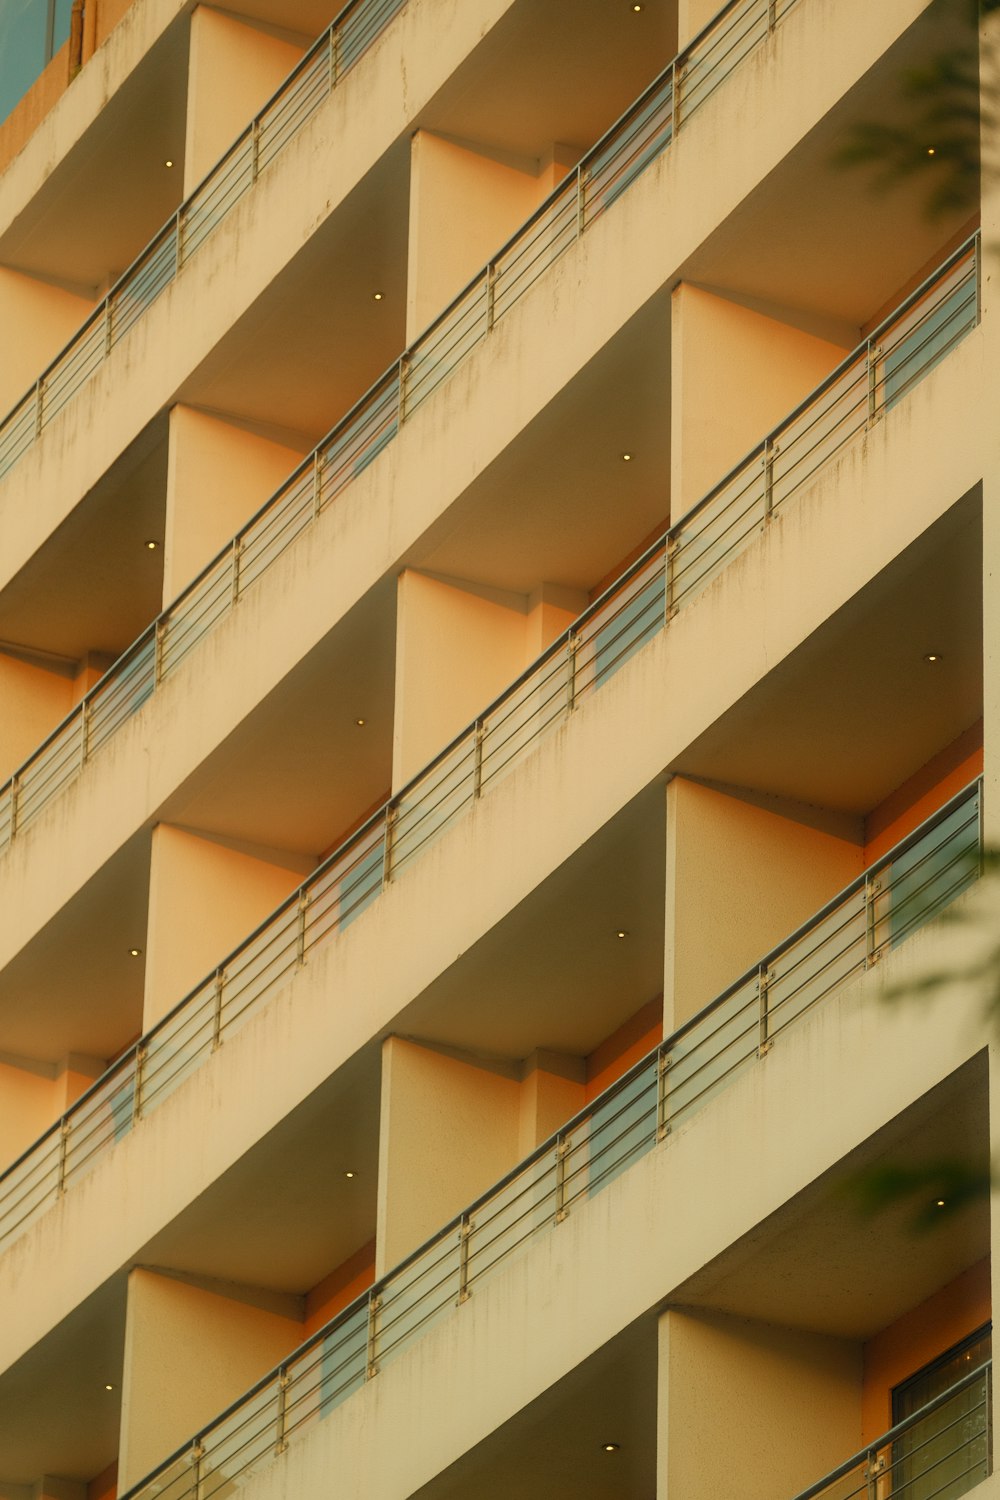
500 749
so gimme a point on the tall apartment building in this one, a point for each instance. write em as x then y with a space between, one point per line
500 687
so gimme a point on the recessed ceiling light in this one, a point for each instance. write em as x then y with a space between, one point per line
361 723
135 952
626 458
109 1387
930 151
637 8
348 1174
168 162
622 932
940 1203
377 297
932 656
152 545
610 1447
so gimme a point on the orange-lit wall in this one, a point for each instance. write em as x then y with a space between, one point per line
918 1337
947 773
340 1288
105 1485
616 1054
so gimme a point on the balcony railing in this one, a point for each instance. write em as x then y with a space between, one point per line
849 403
620 156
667 577
940 1452
310 82
877 912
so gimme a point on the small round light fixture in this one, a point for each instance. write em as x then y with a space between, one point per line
361 723
931 151
135 953
610 1447
621 932
349 1174
637 8
626 458
940 1203
109 1387
932 656
152 544
376 296
169 162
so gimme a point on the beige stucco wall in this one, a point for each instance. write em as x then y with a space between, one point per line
736 370
189 1350
743 871
448 1129
218 473
37 318
35 693
205 895
234 67
775 1406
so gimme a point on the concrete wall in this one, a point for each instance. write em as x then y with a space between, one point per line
775 1406
737 368
218 474
465 200
448 1129
458 645
190 1349
743 871
37 318
234 67
205 895
35 693
33 1094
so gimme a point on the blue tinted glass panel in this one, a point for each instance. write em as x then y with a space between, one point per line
23 38
917 354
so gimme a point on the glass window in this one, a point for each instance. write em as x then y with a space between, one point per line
31 33
638 615
945 1454
623 1128
933 871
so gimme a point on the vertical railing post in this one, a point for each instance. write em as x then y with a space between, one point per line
140 1067
63 1153
390 825
108 327
989 1418
662 1105
675 96
572 647
237 551
371 1337
280 1440
764 981
477 759
404 370
491 287
981 828
317 482
219 986
772 15
254 148
580 204
39 400
300 920
672 550
15 797
977 263
465 1229
159 631
178 242
334 58
197 1454
770 449
85 707
873 888
872 352
562 1153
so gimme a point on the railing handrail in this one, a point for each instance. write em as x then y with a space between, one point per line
545 1147
897 1431
119 284
552 650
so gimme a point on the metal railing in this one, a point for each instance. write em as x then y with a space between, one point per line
848 403
310 82
940 1452
630 613
878 911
